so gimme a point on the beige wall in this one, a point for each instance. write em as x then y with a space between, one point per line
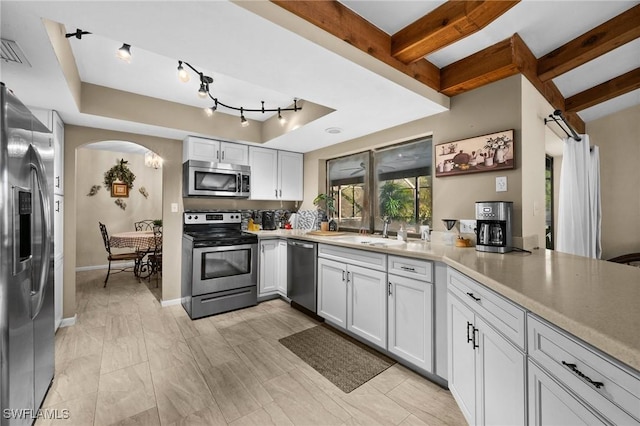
91 166
171 152
485 110
618 137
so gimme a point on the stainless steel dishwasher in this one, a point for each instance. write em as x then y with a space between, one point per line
301 273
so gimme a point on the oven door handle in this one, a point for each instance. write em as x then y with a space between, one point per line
200 250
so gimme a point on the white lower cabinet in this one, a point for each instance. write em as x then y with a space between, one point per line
486 371
410 320
354 297
552 404
272 276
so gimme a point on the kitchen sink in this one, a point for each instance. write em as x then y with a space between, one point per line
369 241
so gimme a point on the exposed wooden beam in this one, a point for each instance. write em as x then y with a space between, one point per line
450 22
350 27
598 41
603 92
486 66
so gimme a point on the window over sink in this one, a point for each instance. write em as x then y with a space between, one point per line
393 181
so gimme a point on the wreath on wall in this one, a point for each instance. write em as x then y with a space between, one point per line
119 172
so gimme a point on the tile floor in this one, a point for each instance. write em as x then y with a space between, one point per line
128 361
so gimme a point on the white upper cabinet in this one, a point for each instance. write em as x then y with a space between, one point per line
275 175
201 149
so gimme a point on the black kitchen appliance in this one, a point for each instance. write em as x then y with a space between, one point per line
268 220
219 263
493 226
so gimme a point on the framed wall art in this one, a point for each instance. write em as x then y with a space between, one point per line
485 153
119 190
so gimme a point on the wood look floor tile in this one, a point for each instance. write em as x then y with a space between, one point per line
299 405
428 402
122 325
204 326
74 379
122 352
210 416
77 412
162 324
187 327
226 319
233 398
180 391
269 415
368 406
239 333
80 341
269 327
146 418
263 360
390 378
211 350
92 318
164 353
412 420
124 393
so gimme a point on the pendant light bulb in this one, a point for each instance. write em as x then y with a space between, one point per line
281 118
124 52
209 111
183 75
243 121
202 92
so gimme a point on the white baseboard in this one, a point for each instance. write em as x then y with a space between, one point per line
115 266
67 322
165 303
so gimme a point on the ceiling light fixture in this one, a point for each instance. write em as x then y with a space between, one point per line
78 34
204 91
124 52
153 160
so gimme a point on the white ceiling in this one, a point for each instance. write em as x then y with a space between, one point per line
252 59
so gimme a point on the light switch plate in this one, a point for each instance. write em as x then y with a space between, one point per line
174 207
501 184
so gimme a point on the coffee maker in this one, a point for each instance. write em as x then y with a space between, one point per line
493 226
268 220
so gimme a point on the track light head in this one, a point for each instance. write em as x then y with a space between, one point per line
78 34
124 52
243 120
203 91
183 75
281 118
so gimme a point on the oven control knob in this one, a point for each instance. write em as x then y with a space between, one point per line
196 217
188 217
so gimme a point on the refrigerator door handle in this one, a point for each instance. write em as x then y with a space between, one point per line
37 297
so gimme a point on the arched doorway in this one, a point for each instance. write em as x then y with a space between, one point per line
117 206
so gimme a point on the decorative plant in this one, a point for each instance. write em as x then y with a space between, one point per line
157 222
119 172
395 201
327 201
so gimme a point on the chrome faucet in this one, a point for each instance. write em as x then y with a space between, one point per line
385 228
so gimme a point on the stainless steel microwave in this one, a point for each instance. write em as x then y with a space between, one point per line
205 179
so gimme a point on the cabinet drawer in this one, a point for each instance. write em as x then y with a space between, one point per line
366 259
411 268
504 315
609 387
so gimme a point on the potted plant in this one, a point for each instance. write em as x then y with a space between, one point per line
325 205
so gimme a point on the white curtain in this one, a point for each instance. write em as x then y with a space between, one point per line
579 212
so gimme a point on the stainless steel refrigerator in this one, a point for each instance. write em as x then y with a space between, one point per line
26 262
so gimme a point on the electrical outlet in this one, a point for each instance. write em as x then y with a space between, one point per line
501 184
174 207
467 226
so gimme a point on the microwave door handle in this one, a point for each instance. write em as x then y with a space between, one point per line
238 183
37 297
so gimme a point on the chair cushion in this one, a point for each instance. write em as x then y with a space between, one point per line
124 256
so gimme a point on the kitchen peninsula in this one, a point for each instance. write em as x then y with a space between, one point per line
556 298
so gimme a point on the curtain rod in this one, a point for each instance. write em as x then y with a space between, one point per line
558 118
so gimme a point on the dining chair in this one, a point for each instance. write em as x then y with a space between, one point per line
135 256
144 225
155 256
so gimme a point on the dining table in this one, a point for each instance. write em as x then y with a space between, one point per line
138 240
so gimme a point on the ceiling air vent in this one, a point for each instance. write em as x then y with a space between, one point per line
11 52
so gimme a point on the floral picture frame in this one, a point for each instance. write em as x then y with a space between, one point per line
119 190
486 153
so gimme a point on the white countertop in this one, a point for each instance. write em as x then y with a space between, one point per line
595 300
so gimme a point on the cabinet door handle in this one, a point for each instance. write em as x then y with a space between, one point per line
57 181
275 193
406 268
262 249
390 288
281 193
574 368
343 272
348 278
57 205
471 295
223 155
475 342
218 155
469 338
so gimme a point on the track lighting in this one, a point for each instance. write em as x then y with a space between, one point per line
183 75
243 121
124 52
204 91
78 34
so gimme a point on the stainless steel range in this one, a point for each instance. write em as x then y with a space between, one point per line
219 263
